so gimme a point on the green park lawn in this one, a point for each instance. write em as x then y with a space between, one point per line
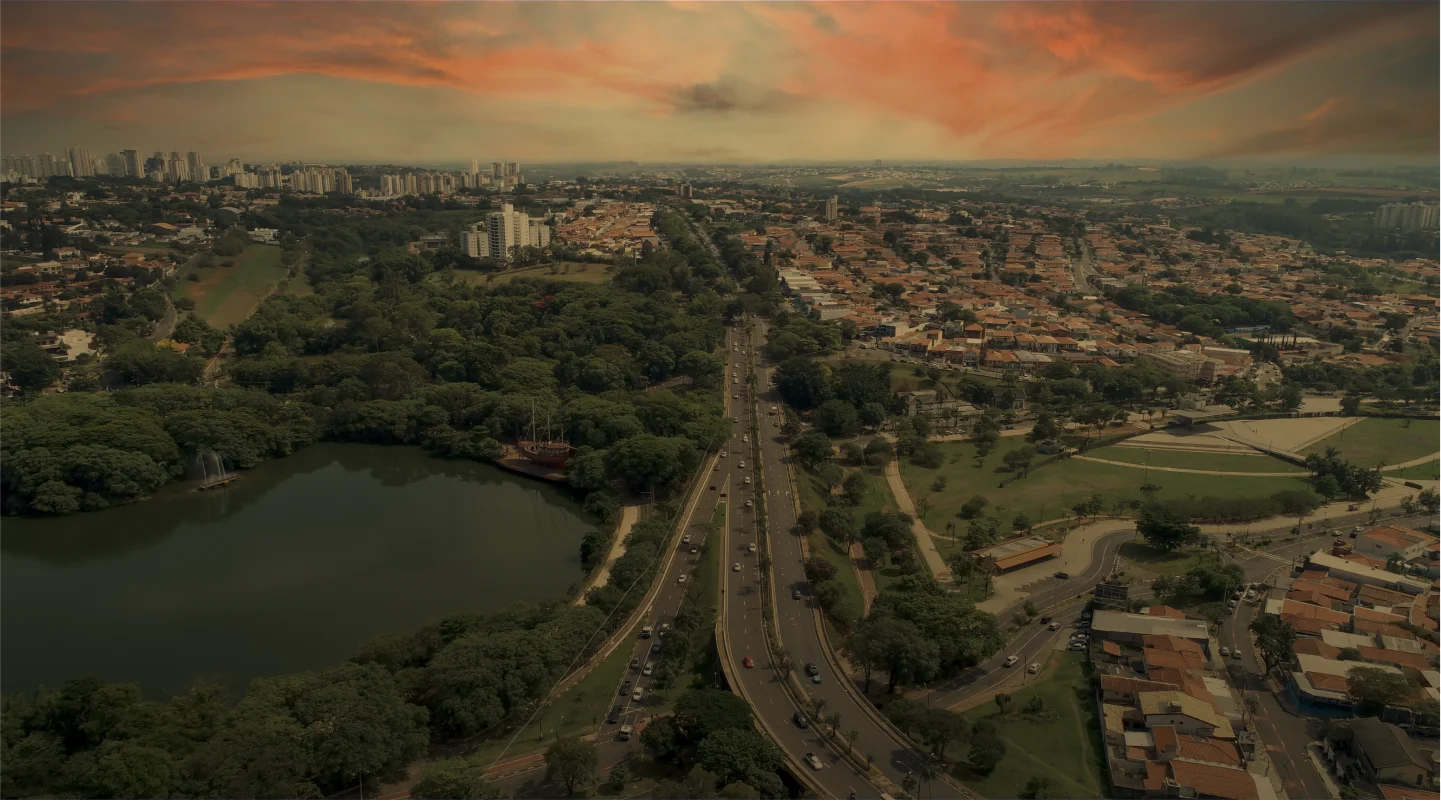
1219 462
1147 557
225 296
1062 743
1049 491
1383 440
1429 471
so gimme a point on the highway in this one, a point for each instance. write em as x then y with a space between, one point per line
745 633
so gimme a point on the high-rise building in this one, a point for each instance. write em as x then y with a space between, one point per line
1407 216
833 208
81 165
115 165
502 232
196 166
684 192
134 167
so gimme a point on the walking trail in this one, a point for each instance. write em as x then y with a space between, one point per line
1292 474
927 546
628 515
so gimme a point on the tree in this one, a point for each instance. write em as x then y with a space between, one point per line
1166 528
1350 405
813 448
1003 700
855 488
1275 640
740 755
804 383
837 418
30 368
454 778
1430 499
971 509
830 476
1037 787
1376 689
700 712
987 751
902 649
817 569
1018 459
570 761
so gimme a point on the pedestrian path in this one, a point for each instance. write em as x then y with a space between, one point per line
934 563
628 515
1292 474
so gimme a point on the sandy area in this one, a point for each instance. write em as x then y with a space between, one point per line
1289 434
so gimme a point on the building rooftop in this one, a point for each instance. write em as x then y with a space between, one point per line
1127 623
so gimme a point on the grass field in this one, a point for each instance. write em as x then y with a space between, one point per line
1430 471
1061 744
225 296
299 286
1149 558
1048 491
581 272
1383 440
1219 462
811 494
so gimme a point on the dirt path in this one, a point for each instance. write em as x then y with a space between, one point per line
1292 474
927 546
628 515
864 577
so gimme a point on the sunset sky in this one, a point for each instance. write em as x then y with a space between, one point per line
723 81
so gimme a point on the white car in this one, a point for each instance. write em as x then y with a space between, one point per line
736 568
814 761
1225 651
1055 625
685 540
752 547
745 438
1034 668
681 579
1012 660
742 464
648 669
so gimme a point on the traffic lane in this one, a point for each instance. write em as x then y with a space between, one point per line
802 641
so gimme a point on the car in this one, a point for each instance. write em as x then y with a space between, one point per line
1236 654
723 454
685 539
646 631
638 694
801 721
625 688
635 664
664 628
748 480
795 594
614 716
625 731
1012 660
816 679
680 579
752 548
735 380
694 549
1236 594
733 420
1250 595
1225 651
814 761
648 669
745 437
1046 619
1035 667
1232 604
1338 544
1084 624
748 662
1055 625
773 410
1076 645
736 567
812 669
1061 574
748 504
715 469
742 464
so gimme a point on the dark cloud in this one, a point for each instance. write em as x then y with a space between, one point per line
1363 132
731 95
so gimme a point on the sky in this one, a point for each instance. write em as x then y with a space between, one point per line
727 82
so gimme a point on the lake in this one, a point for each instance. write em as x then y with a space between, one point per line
292 568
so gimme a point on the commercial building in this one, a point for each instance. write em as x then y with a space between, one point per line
1130 628
1016 553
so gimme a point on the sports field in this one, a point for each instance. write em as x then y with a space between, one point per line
225 296
1383 440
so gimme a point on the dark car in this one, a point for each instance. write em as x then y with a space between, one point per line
1046 619
635 664
625 689
614 716
812 670
1061 574
802 721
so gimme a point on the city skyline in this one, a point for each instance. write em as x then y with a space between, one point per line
732 82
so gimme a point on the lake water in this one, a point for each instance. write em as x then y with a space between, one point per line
290 569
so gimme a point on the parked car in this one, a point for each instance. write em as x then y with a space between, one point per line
1225 651
1061 574
1035 667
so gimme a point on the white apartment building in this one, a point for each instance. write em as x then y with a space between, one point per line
502 231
